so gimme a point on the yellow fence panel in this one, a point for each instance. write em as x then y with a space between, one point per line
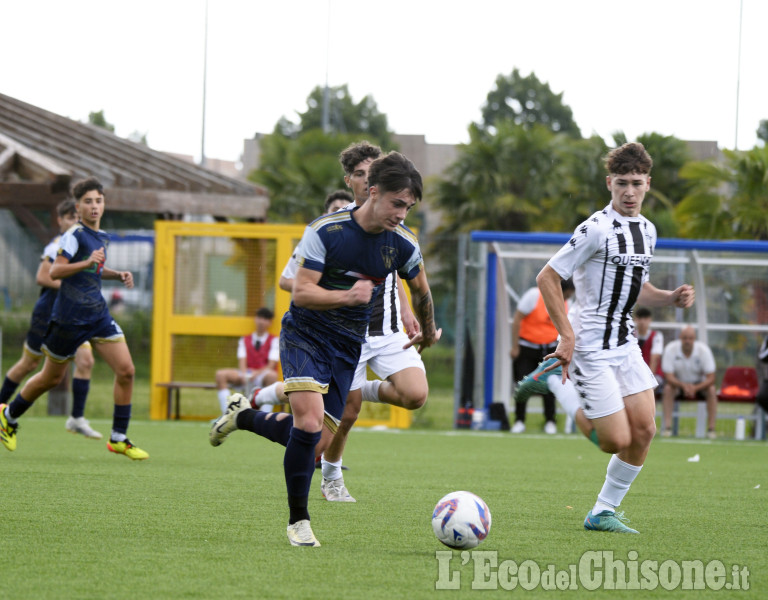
209 280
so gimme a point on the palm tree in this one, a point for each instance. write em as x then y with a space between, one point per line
729 199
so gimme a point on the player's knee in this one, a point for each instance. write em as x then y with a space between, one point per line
644 433
416 398
614 443
125 374
85 363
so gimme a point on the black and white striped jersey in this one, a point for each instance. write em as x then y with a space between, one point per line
608 256
385 314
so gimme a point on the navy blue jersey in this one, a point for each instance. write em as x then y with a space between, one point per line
79 301
343 252
44 305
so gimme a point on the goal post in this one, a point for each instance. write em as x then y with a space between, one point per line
495 269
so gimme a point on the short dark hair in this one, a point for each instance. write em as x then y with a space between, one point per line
356 153
632 157
393 172
82 187
65 207
265 313
643 313
337 195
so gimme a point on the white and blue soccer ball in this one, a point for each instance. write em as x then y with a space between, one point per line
461 520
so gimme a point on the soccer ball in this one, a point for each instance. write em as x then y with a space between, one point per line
461 520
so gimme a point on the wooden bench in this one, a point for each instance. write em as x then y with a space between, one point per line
174 393
739 386
174 396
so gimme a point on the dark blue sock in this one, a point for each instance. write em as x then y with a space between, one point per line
299 465
18 407
121 418
6 391
79 395
266 425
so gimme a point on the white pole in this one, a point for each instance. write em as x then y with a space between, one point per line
738 78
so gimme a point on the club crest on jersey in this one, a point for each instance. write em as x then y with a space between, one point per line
388 255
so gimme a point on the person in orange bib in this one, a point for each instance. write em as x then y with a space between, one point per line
533 337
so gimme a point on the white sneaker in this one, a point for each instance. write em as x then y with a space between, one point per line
518 427
300 534
334 490
227 423
83 427
550 427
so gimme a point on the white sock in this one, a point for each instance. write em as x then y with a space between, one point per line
331 470
565 393
117 437
266 407
370 390
223 397
619 476
267 395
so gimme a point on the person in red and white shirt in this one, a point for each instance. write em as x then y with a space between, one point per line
258 355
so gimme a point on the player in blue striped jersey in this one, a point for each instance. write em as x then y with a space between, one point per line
609 257
80 314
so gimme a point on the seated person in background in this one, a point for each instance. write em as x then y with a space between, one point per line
257 356
689 370
651 343
534 337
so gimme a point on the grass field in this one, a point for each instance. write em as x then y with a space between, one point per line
200 522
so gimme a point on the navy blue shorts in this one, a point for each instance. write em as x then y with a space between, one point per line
316 363
62 341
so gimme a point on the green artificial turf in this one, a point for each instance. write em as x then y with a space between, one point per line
195 521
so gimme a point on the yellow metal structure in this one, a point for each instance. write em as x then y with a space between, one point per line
209 280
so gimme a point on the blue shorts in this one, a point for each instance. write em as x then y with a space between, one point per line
317 364
62 341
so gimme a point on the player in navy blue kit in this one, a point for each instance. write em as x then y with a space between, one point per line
345 258
32 352
80 314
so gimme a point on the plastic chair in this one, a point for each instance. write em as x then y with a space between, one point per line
739 385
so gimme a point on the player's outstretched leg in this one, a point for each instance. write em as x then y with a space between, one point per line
227 423
607 520
536 381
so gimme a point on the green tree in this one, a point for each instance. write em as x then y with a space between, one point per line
99 120
668 187
729 199
344 116
300 162
527 101
300 172
762 131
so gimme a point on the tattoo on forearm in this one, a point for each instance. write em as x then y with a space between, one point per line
425 313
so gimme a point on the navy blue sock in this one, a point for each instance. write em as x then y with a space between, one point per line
18 407
299 465
79 395
6 391
121 418
266 425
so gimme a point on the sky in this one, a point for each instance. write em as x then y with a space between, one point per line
668 66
